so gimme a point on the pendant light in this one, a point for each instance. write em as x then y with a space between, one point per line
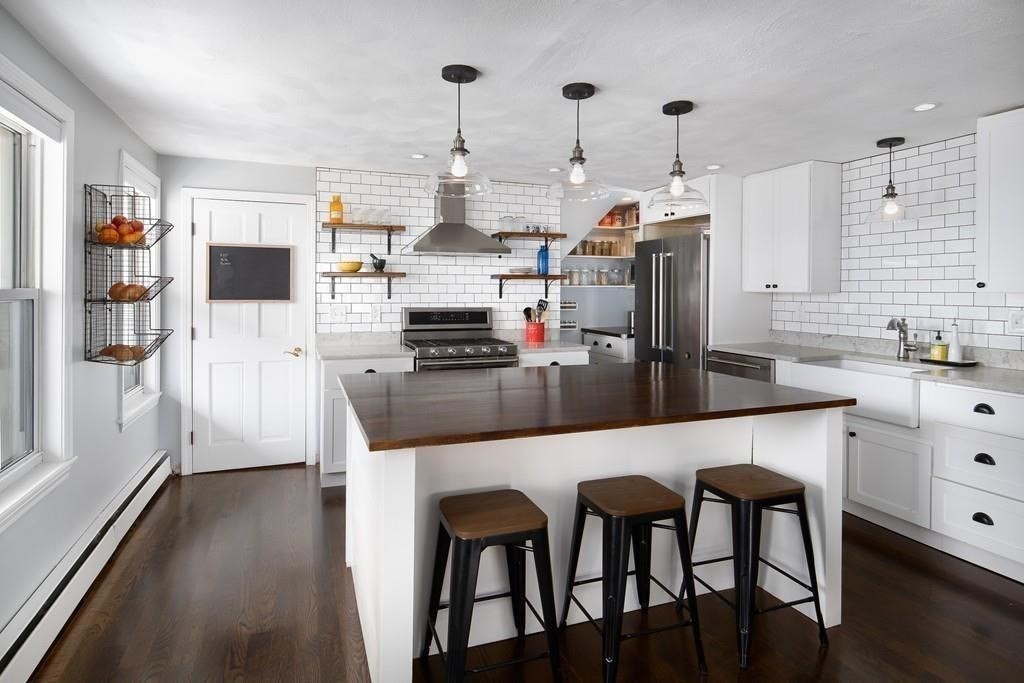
677 197
458 179
889 208
578 187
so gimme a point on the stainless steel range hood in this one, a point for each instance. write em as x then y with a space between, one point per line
452 236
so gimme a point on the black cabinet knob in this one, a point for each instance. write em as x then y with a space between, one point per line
853 433
767 286
984 409
982 518
595 343
980 285
775 286
984 459
608 345
370 371
554 362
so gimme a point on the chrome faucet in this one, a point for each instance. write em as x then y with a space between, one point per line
905 347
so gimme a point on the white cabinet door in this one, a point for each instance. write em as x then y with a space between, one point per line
757 239
791 246
999 237
889 473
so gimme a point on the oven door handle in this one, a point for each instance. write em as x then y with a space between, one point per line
467 363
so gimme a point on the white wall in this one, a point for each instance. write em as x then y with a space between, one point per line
920 268
432 280
177 173
107 459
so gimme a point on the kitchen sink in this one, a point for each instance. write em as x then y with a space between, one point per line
883 392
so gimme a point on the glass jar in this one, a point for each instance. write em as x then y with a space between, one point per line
614 249
580 248
602 277
615 276
586 276
574 276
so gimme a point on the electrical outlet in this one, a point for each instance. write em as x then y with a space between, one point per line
376 312
1016 324
337 312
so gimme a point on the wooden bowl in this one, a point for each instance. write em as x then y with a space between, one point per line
349 266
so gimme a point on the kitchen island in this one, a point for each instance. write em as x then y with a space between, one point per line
414 438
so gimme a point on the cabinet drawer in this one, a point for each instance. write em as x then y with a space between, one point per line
536 360
986 461
333 368
609 346
980 518
988 411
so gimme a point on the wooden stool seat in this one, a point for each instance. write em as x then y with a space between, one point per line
629 496
749 482
491 513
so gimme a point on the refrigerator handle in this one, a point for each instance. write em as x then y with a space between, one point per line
667 304
661 301
655 292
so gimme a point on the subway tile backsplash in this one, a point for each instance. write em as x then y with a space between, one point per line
920 268
432 280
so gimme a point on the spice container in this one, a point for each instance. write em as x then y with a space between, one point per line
602 277
614 249
586 276
615 277
618 221
574 276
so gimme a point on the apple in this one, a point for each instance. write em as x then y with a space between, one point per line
124 229
118 220
137 226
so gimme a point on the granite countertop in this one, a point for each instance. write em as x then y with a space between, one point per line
978 377
399 410
551 344
621 332
354 346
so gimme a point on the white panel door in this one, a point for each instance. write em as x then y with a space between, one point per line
1000 202
889 473
758 270
248 369
791 221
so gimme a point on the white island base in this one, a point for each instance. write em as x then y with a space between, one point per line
392 517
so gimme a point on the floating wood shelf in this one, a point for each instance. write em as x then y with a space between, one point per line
547 279
334 228
606 258
548 237
616 227
387 274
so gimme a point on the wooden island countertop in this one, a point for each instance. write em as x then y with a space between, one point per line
415 409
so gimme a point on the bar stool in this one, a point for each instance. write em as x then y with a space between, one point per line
749 490
629 508
478 521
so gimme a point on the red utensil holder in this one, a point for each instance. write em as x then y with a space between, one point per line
534 331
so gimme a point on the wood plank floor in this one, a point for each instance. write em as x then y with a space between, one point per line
241 576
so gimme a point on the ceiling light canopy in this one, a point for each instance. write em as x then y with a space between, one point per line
926 106
889 208
417 155
577 187
677 197
713 167
554 169
457 179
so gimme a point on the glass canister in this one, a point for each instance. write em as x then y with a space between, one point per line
615 276
602 277
614 249
586 276
574 276
581 248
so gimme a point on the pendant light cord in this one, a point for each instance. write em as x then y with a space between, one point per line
458 127
890 163
677 137
577 123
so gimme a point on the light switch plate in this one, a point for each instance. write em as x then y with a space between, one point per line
337 312
1016 323
375 313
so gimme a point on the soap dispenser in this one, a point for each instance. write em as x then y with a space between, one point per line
956 353
939 349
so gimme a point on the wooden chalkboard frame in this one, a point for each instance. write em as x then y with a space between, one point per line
291 272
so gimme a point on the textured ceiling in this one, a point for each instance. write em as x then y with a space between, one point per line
357 84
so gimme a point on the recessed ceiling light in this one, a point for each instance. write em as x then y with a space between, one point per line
713 167
926 106
554 169
418 155
627 199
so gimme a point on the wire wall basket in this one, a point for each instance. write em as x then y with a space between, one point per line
119 280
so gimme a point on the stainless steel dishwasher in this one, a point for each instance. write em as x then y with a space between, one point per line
739 365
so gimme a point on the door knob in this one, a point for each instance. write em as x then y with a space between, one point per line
297 351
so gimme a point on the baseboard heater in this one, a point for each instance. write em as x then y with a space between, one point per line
156 472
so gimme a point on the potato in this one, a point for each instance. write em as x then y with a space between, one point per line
123 352
116 291
138 352
133 292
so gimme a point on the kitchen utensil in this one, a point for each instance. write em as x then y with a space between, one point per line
349 266
528 314
521 270
542 307
378 262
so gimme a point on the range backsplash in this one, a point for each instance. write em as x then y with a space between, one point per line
431 280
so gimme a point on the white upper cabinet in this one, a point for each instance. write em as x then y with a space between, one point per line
999 236
791 229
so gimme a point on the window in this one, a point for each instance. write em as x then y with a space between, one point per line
19 303
140 384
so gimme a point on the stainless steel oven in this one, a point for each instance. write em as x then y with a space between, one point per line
466 363
455 339
739 365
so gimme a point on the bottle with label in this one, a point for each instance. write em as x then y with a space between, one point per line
939 349
542 260
337 210
956 353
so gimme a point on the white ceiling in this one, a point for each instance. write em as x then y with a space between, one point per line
357 84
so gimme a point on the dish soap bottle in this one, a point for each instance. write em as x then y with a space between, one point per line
542 260
939 349
337 210
956 353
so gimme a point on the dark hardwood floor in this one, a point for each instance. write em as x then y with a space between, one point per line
241 576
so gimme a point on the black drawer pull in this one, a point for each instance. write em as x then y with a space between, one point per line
370 371
595 343
853 433
775 286
982 518
984 459
554 362
608 346
984 409
767 286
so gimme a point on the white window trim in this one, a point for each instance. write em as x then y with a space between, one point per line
27 482
136 403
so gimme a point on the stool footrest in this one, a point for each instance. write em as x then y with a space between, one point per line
508 662
782 605
482 598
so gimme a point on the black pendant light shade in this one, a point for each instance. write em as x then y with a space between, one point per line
677 197
578 187
457 179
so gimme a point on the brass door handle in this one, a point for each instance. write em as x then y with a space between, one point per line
297 351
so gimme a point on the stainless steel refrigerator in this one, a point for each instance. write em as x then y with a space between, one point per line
672 299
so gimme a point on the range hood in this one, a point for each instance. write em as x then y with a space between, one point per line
451 235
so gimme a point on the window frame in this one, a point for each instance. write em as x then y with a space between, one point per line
138 399
33 295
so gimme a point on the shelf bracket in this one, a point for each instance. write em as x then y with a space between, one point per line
333 293
547 286
334 244
501 288
389 279
389 254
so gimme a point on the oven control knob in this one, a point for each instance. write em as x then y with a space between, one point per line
485 349
434 352
468 350
451 351
502 349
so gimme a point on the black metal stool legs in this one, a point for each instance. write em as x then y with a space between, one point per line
805 530
615 552
444 543
746 559
688 591
542 561
515 558
465 564
641 538
574 557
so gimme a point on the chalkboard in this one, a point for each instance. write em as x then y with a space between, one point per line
248 272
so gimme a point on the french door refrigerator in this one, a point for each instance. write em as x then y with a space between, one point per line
672 299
